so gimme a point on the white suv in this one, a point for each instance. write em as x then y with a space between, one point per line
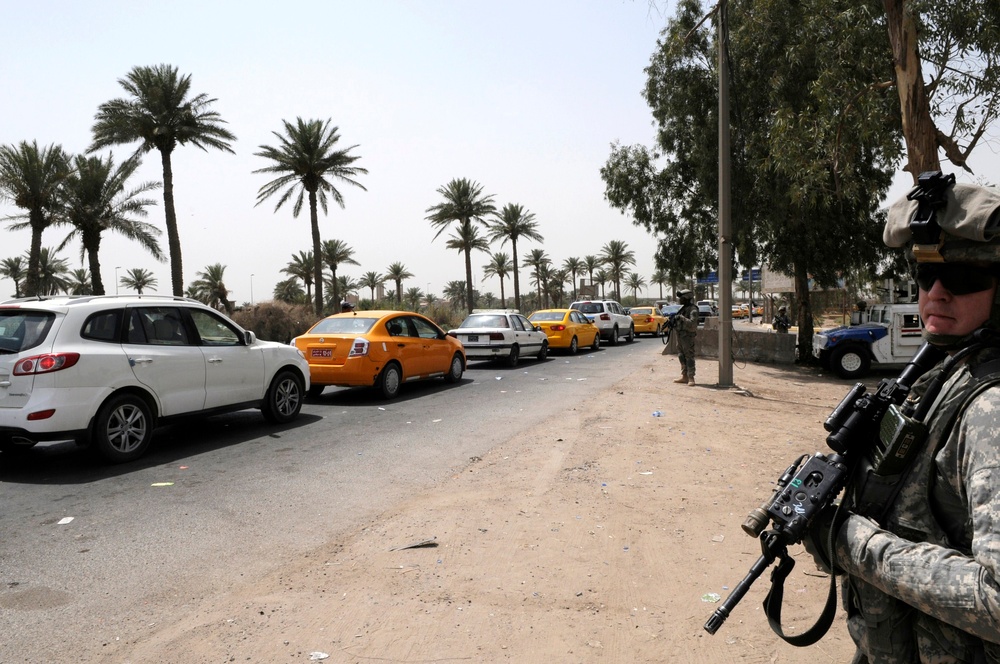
609 317
106 370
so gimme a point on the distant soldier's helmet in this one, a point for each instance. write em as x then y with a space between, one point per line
782 309
685 294
951 232
346 306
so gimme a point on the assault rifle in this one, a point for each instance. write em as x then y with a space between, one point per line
665 338
811 484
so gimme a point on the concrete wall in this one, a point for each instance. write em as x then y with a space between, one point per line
750 343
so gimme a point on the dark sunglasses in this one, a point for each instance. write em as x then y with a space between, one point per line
956 278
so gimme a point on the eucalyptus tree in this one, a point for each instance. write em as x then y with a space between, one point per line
396 273
467 239
499 266
52 273
616 256
160 114
465 204
371 281
138 279
573 267
635 281
413 297
336 253
30 178
96 198
514 222
301 267
288 290
309 165
78 282
539 263
210 287
14 269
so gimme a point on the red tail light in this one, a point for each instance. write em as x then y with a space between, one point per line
359 348
557 328
649 319
496 336
605 316
39 364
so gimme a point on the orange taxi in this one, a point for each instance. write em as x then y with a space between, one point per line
381 349
647 320
567 328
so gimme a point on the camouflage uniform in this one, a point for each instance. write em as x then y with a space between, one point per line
925 587
686 325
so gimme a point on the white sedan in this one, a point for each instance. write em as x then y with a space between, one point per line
501 335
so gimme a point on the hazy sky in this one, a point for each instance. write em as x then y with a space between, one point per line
523 96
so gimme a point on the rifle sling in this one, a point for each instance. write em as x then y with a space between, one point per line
772 606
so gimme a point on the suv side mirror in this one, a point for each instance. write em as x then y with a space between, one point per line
249 338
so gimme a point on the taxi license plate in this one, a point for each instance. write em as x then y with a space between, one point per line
473 338
322 352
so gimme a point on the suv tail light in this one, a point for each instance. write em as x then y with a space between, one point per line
359 348
39 364
605 316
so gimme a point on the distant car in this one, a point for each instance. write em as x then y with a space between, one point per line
567 328
740 311
669 310
647 320
609 317
106 370
501 335
704 311
380 349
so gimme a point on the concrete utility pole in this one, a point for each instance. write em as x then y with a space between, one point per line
725 221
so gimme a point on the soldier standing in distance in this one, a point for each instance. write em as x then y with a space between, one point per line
686 324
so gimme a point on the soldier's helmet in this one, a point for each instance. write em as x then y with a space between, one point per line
346 306
685 294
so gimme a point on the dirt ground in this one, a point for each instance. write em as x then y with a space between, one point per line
600 538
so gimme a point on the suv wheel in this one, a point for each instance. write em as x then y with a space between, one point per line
613 339
123 428
631 334
283 400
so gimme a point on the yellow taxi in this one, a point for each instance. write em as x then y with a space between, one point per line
567 328
381 349
647 320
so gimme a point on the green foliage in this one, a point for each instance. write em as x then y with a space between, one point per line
276 321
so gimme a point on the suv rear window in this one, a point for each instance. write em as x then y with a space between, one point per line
590 307
103 326
21 330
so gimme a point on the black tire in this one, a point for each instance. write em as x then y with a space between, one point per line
574 345
613 339
850 361
544 352
315 391
123 428
631 334
659 331
515 356
283 399
390 381
597 342
456 369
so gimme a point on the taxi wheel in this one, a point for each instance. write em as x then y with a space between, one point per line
597 342
544 352
514 357
455 371
659 331
390 380
574 346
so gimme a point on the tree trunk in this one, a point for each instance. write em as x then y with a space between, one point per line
503 299
919 130
468 279
317 255
33 278
517 285
336 288
92 246
805 317
173 237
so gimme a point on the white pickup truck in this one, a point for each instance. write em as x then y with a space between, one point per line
888 334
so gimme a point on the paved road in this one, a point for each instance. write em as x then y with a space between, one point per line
240 497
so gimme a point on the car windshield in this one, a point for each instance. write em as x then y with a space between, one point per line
590 307
344 325
21 330
485 320
546 316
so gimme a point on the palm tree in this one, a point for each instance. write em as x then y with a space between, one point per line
30 178
555 281
13 269
500 267
371 281
138 279
659 278
591 264
343 284
413 296
290 291
539 263
466 239
335 254
210 288
52 273
602 278
307 159
160 115
464 202
93 199
616 256
397 272
301 267
635 281
573 266
79 282
456 292
512 223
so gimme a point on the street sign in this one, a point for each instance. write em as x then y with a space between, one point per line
754 274
710 278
